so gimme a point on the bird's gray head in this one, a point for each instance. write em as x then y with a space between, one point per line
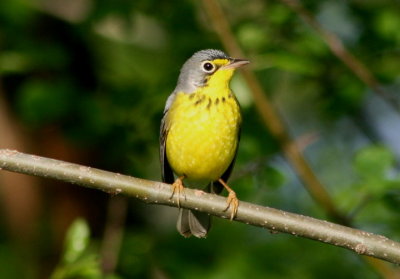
198 68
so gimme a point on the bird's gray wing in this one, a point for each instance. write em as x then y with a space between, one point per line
166 171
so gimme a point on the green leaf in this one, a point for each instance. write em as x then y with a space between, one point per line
373 161
76 241
387 24
78 260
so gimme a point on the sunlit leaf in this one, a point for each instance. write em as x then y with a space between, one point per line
76 240
374 161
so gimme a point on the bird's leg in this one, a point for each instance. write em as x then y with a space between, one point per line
232 200
177 187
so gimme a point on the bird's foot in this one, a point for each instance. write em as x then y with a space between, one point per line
232 201
178 189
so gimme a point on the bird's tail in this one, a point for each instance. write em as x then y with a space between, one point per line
193 223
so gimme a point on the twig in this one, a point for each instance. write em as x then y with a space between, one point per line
359 241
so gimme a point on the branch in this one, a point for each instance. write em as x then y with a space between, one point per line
359 241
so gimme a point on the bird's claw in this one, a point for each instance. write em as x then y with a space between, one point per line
178 188
232 201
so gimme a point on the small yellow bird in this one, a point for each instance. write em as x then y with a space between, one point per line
200 133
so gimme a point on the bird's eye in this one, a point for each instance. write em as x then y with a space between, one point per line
208 67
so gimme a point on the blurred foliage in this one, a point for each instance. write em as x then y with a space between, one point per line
77 261
97 73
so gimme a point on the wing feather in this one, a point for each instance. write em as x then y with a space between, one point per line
166 170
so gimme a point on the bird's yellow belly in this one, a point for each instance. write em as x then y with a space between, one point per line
203 138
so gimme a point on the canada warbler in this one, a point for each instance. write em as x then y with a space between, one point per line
199 133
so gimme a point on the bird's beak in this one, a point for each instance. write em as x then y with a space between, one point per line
236 63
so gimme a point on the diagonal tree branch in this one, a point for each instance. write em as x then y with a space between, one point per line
359 241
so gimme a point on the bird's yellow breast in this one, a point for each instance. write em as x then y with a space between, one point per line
203 132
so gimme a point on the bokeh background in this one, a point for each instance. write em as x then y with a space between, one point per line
86 81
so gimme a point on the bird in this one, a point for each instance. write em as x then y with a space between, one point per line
200 133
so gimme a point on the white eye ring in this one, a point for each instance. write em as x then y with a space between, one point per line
208 67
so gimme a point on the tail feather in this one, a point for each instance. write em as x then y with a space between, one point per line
193 223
